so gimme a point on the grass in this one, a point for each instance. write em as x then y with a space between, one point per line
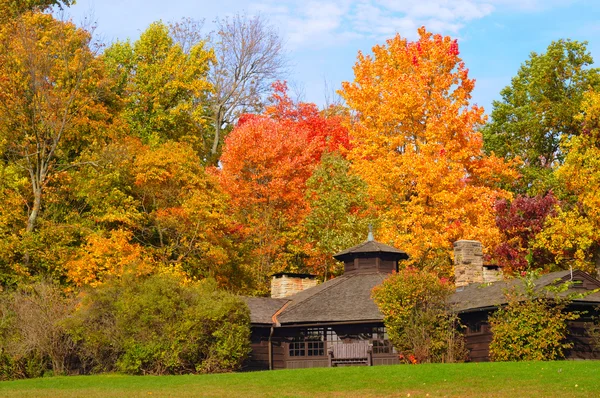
524 379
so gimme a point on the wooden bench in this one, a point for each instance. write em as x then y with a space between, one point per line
358 353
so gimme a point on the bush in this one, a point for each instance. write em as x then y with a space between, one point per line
419 325
533 325
34 339
158 325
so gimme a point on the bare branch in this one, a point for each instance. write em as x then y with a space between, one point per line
250 57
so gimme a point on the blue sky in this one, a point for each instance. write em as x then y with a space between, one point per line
323 37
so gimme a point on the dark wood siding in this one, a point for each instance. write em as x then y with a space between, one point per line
259 356
278 354
385 359
387 266
477 335
478 345
367 264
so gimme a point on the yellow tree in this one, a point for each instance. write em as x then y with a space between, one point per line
573 236
416 144
50 105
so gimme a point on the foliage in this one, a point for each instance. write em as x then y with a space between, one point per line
266 163
519 222
539 109
159 325
34 339
162 211
416 146
573 235
49 98
14 8
339 213
164 88
413 303
533 325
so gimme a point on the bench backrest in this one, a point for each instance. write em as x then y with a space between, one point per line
350 350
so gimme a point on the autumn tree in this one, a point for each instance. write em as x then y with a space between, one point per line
538 109
416 145
13 8
572 236
164 87
266 163
160 211
249 57
520 222
50 99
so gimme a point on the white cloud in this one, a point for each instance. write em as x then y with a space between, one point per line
334 22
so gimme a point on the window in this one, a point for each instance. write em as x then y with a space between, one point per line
476 327
297 349
313 342
310 342
380 341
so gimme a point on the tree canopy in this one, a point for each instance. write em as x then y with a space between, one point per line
416 145
539 108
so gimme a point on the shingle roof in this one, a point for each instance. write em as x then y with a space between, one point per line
262 309
370 246
482 296
346 298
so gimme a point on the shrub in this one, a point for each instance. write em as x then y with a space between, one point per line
158 325
419 325
33 337
533 325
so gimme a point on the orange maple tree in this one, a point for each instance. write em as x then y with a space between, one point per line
416 144
266 162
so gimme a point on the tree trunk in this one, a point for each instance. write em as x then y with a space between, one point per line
37 204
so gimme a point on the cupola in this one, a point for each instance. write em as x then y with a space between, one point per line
371 256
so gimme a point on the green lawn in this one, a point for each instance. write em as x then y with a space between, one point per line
539 379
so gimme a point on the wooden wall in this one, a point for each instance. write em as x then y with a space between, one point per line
478 342
383 263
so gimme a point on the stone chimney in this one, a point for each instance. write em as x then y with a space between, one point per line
469 267
285 284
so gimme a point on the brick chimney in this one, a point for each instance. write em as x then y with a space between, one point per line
469 267
285 284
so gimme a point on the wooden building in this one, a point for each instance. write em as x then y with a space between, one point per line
333 323
481 291
475 302
336 323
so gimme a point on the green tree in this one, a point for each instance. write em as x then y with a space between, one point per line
533 325
538 109
164 88
338 216
421 328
